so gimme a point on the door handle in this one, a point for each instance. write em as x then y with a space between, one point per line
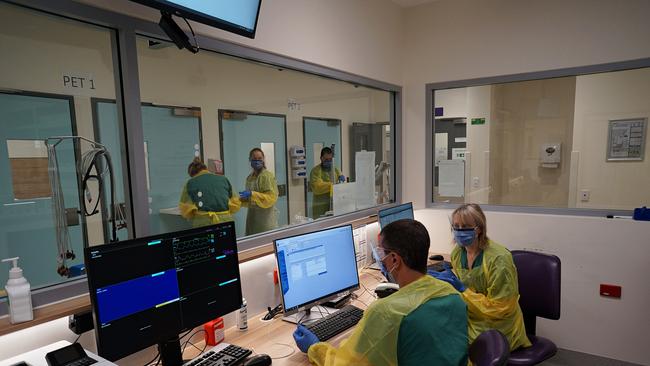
72 216
282 190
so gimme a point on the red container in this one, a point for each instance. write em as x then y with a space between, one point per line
214 332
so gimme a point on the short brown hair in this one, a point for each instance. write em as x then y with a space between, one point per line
472 214
196 166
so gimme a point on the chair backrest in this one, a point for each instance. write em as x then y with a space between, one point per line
490 348
539 284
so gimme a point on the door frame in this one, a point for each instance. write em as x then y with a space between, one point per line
75 143
93 102
304 144
220 112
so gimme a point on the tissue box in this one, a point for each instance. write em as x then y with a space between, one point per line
642 213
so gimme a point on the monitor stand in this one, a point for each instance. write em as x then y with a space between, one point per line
309 315
170 352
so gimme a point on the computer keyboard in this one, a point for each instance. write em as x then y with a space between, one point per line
221 355
335 323
84 361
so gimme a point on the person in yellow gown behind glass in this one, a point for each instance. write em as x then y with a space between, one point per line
320 182
424 323
207 198
485 274
260 196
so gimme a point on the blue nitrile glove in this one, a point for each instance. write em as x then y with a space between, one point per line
448 276
244 195
341 178
434 273
304 338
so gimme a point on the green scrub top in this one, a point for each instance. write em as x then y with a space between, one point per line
321 187
262 215
209 192
434 334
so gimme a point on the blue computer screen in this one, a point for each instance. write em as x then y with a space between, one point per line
403 211
240 12
315 265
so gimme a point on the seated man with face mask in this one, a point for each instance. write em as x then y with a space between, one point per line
424 323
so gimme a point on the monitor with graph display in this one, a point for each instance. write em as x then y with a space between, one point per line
146 291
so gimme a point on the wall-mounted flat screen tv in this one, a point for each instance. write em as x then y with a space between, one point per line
236 16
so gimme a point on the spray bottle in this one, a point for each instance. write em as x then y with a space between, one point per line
19 294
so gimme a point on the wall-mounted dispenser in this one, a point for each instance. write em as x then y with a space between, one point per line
550 155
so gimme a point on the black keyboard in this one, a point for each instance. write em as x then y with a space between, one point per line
85 361
231 355
335 323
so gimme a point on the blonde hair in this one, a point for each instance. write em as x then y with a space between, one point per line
471 214
195 167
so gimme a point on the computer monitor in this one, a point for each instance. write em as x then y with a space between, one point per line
315 267
239 16
146 291
400 212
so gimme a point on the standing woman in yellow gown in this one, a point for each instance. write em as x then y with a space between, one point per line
260 196
207 198
485 275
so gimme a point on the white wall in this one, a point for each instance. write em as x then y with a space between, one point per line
600 98
359 36
464 39
593 250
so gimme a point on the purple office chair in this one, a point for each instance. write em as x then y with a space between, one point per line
539 295
490 348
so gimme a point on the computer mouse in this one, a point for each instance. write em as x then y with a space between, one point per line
436 257
258 360
386 289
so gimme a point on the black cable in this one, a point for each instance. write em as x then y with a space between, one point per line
190 338
196 43
77 339
84 186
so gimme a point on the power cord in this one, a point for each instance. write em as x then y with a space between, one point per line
273 312
196 42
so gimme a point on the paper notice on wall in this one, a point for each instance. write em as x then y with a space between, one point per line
344 199
360 242
451 178
441 147
364 169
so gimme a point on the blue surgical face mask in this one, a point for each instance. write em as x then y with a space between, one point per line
464 237
326 164
382 267
257 164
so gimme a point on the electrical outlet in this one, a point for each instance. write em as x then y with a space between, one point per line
476 182
584 195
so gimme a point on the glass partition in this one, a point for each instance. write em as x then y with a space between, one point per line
322 146
51 69
565 142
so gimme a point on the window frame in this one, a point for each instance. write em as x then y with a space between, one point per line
125 30
431 88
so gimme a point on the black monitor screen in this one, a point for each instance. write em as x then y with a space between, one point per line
147 290
400 212
237 16
315 266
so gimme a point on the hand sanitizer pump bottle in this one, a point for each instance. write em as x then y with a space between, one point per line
19 294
